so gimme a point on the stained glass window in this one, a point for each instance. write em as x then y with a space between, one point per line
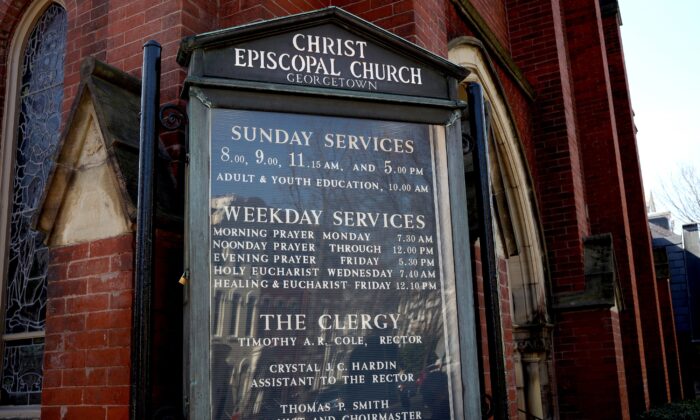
38 132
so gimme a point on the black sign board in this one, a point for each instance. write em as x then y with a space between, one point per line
326 271
322 242
325 56
331 49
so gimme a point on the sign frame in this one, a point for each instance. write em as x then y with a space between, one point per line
207 93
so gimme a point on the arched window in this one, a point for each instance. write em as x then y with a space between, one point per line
31 131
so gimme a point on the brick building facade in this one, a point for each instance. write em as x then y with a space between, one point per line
582 316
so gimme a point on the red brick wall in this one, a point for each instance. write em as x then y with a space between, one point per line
590 369
509 348
522 114
640 238
539 49
494 14
114 31
421 21
431 32
520 104
237 12
606 201
456 27
88 331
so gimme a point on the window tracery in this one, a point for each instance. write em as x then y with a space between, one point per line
38 133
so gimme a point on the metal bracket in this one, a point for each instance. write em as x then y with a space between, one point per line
467 143
172 117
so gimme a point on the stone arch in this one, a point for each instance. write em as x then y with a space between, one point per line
519 240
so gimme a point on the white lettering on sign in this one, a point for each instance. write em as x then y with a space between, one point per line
316 64
329 46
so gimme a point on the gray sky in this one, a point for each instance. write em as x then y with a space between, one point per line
660 41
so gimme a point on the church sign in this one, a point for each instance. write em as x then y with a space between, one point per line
327 234
324 56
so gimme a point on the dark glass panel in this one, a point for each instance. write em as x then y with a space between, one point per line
22 375
38 135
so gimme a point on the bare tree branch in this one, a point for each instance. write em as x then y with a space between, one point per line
681 193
